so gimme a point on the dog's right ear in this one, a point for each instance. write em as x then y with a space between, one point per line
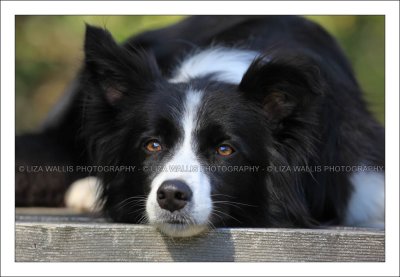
282 84
115 69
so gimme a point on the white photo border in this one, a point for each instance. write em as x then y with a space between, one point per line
10 9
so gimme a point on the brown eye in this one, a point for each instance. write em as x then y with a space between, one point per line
225 150
153 146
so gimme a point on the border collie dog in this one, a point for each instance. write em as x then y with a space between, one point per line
237 121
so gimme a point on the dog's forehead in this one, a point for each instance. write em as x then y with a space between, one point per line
220 103
199 98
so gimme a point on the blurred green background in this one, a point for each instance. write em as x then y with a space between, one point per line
49 53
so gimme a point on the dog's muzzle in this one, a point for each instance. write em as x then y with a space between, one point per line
175 212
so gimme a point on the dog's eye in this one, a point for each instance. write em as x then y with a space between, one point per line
153 145
225 150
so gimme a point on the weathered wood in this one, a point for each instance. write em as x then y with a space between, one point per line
58 239
55 215
43 211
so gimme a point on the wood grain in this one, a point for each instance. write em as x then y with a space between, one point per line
53 239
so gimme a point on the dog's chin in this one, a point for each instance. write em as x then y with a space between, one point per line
181 229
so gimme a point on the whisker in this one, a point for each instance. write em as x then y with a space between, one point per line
143 219
220 217
134 198
228 215
137 210
220 194
236 203
131 206
211 225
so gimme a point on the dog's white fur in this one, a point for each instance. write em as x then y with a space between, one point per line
366 207
84 195
200 207
226 64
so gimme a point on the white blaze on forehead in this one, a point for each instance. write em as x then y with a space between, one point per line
226 64
185 157
192 105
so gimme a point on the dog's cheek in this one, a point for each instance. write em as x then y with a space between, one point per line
146 187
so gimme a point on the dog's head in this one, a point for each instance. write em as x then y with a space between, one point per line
201 148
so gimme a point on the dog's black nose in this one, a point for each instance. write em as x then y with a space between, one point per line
173 195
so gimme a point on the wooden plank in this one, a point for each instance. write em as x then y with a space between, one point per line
104 242
55 215
46 211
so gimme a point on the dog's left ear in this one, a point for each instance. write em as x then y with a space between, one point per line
114 68
281 85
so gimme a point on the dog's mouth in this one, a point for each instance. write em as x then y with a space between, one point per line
180 229
176 222
179 226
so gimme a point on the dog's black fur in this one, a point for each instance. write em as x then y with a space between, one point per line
298 104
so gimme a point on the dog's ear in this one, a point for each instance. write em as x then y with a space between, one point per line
116 69
281 85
